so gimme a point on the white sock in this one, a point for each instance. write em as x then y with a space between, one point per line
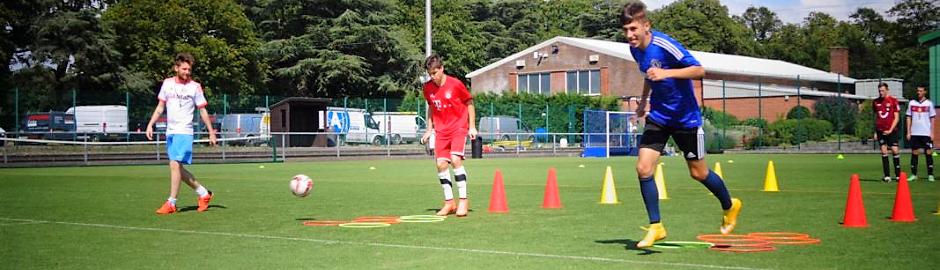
201 191
446 185
461 183
171 201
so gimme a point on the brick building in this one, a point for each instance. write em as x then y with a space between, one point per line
733 83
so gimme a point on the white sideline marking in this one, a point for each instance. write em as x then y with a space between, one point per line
482 251
21 223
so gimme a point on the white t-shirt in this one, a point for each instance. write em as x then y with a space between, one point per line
921 115
181 99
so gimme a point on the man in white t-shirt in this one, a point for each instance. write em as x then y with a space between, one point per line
180 96
920 115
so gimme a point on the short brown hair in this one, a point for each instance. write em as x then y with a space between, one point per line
883 84
634 10
432 62
185 58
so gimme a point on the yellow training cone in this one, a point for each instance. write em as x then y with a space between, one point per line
770 183
938 208
718 170
609 192
660 179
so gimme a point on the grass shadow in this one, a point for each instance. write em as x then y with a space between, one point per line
193 208
628 244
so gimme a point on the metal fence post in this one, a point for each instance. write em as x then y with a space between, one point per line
16 109
724 111
760 116
838 112
127 102
274 143
799 122
74 112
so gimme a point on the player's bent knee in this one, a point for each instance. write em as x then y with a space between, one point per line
644 170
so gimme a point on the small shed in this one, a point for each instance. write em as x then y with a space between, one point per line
299 114
932 41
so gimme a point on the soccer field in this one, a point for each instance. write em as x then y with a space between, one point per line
103 217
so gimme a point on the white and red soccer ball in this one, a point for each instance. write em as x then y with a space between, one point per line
301 185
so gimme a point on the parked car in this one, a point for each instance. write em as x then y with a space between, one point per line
48 126
401 127
356 124
100 122
251 126
503 128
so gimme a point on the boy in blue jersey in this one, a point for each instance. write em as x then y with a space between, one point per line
674 112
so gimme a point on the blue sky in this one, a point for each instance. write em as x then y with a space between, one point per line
793 11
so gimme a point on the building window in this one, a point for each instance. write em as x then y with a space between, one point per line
584 82
535 83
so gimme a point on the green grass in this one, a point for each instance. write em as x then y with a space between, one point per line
102 217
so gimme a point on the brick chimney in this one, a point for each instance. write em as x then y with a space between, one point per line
839 60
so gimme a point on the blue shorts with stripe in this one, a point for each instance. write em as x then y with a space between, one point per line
179 147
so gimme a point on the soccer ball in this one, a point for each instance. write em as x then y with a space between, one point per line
301 185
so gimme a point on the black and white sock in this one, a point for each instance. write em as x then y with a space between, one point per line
446 185
929 164
897 166
884 165
460 174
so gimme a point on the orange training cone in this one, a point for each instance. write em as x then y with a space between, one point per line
498 196
552 200
903 210
855 208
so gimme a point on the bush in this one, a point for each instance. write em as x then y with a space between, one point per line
715 141
793 131
865 127
719 119
840 112
755 122
798 112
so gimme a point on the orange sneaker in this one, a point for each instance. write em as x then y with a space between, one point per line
167 208
448 208
463 206
204 202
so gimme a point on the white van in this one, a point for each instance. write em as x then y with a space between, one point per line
99 122
253 126
356 124
401 127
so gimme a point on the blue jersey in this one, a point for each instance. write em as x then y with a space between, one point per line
672 101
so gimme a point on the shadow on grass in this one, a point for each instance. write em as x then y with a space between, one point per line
628 244
874 180
435 210
194 208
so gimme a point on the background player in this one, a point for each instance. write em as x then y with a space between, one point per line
887 112
920 113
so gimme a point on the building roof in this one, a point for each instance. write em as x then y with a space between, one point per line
928 37
712 62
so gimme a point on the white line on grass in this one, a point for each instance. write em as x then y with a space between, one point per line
482 251
22 223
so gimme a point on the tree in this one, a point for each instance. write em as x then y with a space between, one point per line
704 25
872 23
217 33
839 111
761 21
337 48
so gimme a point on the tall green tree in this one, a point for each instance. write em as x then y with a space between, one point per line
704 25
216 32
760 20
330 48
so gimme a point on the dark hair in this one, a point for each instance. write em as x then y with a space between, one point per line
883 84
634 10
185 58
433 61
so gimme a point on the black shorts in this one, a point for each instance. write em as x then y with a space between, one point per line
889 140
921 142
691 141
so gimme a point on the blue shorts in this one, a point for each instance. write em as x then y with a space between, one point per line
179 147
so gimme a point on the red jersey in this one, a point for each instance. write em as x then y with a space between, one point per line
885 111
448 105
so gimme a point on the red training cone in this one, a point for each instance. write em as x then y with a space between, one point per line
903 210
552 200
855 208
498 196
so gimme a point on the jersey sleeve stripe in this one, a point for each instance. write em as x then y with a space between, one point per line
669 47
203 105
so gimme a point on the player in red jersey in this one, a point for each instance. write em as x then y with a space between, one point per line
452 119
887 112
